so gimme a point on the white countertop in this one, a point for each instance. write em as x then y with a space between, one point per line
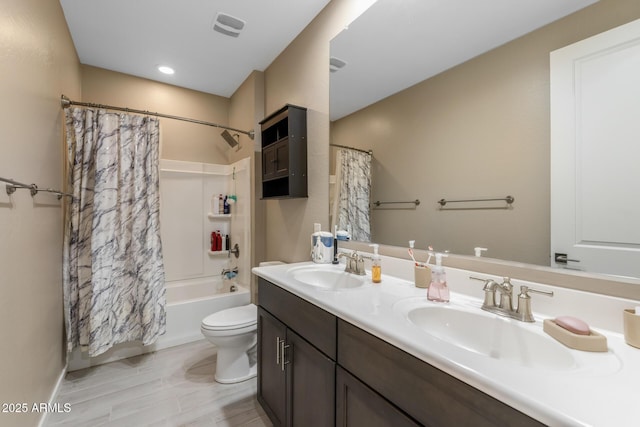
602 389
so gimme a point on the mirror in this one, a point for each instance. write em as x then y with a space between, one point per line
473 123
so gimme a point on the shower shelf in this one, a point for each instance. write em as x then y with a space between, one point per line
219 216
218 253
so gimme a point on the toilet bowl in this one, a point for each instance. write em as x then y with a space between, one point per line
233 332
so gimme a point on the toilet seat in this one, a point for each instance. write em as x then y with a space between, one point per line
232 318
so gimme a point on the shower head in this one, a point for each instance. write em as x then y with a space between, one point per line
232 140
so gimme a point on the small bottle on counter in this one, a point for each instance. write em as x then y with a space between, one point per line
438 289
376 265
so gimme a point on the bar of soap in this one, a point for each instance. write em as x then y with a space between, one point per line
573 324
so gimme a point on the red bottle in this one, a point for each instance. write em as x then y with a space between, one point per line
218 241
213 241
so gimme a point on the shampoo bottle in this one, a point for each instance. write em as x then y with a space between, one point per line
214 204
438 289
226 207
376 267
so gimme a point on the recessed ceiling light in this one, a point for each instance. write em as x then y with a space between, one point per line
166 70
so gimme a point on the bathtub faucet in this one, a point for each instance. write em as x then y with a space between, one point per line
229 273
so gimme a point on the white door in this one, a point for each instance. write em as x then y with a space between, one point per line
595 153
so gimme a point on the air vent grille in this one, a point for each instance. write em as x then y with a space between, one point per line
336 64
228 25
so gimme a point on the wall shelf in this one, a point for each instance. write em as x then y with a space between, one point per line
218 216
218 253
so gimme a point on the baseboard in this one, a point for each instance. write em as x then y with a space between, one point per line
54 395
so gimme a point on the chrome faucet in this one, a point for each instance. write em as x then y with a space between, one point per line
355 262
505 306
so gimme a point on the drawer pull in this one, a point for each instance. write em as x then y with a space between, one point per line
283 348
278 341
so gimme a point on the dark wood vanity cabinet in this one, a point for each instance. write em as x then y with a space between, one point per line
317 370
296 359
428 395
284 153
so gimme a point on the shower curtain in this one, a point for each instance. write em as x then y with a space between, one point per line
351 206
113 272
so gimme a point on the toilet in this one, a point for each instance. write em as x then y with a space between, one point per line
233 332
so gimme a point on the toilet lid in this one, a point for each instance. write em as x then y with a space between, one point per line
232 318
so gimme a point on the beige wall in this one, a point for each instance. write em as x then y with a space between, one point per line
38 63
300 76
180 140
245 111
478 130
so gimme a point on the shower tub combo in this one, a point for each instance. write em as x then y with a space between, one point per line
195 287
188 302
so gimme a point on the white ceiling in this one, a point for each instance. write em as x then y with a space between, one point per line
396 44
136 36
393 45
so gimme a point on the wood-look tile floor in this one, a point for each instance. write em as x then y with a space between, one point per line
171 387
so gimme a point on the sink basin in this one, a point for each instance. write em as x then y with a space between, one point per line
330 278
492 336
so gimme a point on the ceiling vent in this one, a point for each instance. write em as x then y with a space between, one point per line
336 64
228 25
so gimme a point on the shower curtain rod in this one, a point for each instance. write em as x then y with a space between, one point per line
352 148
66 102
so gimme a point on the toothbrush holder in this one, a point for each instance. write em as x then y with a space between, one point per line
631 327
422 276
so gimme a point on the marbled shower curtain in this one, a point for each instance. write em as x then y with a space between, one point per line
353 185
113 269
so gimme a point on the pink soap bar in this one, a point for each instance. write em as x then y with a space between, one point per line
572 324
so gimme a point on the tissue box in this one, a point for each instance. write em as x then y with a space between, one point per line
631 327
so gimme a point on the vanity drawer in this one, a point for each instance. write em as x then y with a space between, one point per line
429 395
317 326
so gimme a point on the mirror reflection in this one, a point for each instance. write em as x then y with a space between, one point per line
477 130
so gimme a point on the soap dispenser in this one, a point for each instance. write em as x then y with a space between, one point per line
376 267
438 289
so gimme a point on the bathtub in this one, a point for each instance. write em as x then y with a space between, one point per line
188 302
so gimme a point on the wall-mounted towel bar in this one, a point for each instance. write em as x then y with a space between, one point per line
509 200
378 202
13 185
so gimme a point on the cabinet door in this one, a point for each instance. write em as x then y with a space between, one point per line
311 381
275 160
269 162
357 405
271 378
282 158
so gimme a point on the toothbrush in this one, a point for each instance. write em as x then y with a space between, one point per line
411 243
430 254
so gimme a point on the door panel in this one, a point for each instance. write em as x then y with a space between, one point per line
357 405
312 382
595 149
271 378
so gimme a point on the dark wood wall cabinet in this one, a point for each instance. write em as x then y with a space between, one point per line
315 369
284 153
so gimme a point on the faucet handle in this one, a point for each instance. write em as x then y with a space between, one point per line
524 302
524 292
